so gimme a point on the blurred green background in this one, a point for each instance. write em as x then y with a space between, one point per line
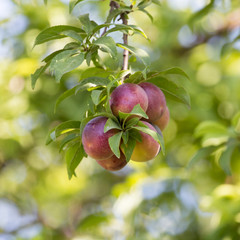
160 199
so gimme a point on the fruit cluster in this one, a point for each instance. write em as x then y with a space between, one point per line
122 100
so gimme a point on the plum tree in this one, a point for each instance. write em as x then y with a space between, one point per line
156 101
162 122
147 149
126 96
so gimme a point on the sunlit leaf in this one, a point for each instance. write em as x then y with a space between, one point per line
114 143
107 44
111 124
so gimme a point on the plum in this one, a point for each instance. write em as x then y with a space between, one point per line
162 122
126 96
156 101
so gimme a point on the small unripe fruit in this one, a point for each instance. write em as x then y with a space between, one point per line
126 96
113 163
156 101
147 149
95 141
162 122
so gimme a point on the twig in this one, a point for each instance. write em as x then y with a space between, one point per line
125 41
113 5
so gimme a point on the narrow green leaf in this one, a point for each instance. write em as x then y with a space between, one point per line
69 139
201 154
95 96
107 44
63 128
157 2
72 4
74 156
87 24
171 90
140 53
37 74
114 143
225 159
125 137
143 4
136 111
74 35
128 148
65 62
111 124
56 32
135 78
147 13
132 122
52 55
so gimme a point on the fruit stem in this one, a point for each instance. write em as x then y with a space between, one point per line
125 41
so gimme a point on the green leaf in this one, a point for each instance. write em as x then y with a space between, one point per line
171 90
74 156
52 55
210 127
69 139
107 44
63 128
65 62
201 154
37 74
72 4
74 35
147 13
143 4
135 78
201 13
132 122
111 124
45 2
55 32
113 14
114 143
125 137
225 159
173 70
157 2
138 52
126 29
95 96
87 24
136 111
128 148
95 81
63 96
157 137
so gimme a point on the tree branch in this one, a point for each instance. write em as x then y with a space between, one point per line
125 41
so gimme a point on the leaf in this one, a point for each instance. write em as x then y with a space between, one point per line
157 2
65 127
69 139
72 4
128 148
201 13
52 55
113 14
87 24
63 96
95 96
225 159
125 137
55 32
65 62
135 78
147 13
136 111
138 52
114 143
111 124
74 156
72 34
95 81
201 154
171 90
210 127
143 4
173 70
126 29
132 122
107 44
157 137
37 74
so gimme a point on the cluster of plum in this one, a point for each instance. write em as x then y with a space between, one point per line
123 99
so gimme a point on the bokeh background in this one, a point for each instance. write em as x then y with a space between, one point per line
161 199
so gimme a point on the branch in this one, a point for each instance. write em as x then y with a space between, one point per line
125 41
113 5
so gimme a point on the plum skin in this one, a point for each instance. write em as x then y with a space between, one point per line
162 122
126 96
147 149
95 141
113 163
156 101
